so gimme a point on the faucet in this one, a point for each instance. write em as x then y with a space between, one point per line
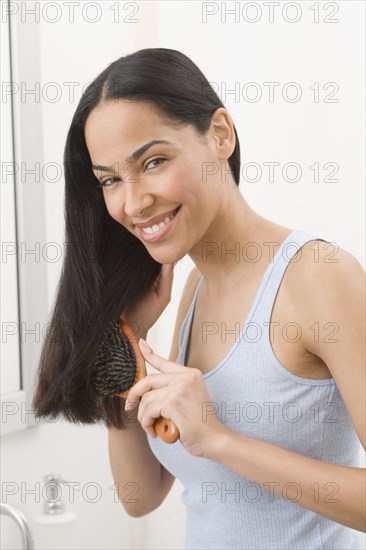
20 519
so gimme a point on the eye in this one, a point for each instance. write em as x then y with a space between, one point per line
155 160
105 183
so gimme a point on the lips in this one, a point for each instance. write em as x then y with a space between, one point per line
157 219
163 232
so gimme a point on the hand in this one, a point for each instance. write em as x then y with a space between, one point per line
179 393
144 313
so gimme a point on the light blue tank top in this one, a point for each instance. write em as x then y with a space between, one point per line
258 397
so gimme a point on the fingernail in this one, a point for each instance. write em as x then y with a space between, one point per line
145 346
129 406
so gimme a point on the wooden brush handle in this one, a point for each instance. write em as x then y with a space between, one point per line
165 428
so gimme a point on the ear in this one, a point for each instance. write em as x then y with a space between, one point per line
222 132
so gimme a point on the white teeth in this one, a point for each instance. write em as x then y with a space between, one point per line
155 228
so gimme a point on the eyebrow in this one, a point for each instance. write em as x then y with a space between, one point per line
135 155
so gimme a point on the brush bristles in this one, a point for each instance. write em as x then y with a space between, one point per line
115 363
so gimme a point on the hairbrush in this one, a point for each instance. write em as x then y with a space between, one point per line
119 365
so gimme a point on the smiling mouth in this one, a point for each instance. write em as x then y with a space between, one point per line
156 227
158 231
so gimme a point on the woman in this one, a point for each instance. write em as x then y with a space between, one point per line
270 411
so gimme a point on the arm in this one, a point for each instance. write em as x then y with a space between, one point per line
335 293
138 475
141 481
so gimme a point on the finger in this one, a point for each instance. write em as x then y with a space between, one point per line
146 384
150 402
160 363
149 415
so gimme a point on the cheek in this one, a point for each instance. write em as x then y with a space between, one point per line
114 207
185 185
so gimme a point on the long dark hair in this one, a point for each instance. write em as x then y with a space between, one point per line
101 273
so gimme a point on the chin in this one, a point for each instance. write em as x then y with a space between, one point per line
166 258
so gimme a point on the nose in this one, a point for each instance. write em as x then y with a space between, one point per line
136 199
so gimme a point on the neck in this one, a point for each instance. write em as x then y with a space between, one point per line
237 245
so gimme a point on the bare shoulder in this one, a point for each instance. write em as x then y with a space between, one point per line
318 262
322 280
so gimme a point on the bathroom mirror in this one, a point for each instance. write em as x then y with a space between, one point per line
24 271
11 390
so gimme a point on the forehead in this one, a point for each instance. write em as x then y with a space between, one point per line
117 128
124 117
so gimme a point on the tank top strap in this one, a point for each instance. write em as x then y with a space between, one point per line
262 307
186 326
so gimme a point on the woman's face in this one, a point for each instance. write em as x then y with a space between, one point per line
159 179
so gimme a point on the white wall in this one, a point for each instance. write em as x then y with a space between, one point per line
304 132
